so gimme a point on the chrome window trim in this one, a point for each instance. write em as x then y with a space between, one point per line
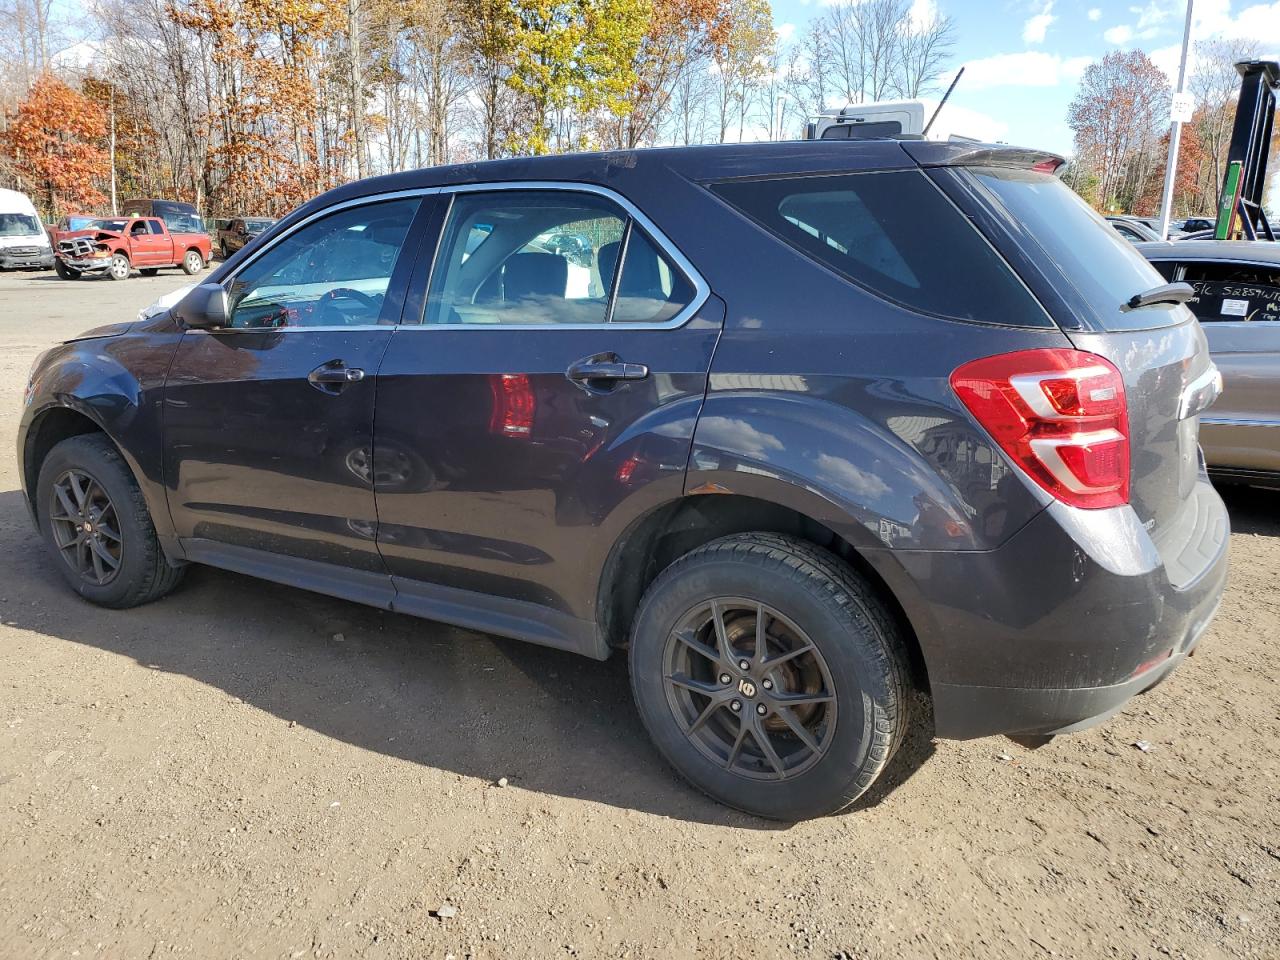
701 290
344 205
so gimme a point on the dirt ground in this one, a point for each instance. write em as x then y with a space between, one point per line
244 770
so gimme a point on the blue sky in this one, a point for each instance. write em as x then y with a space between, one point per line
1024 57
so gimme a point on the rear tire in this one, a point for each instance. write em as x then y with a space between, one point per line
65 272
192 263
99 492
120 267
830 642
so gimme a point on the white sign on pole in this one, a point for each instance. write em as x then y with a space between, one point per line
1182 107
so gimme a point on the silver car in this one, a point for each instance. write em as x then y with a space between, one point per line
1237 286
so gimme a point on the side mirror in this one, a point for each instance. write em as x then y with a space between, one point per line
204 307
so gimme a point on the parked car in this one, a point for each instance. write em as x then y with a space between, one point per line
239 232
1237 287
1197 224
1132 229
795 455
179 216
115 247
24 245
70 224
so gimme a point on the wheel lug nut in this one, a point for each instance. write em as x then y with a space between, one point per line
744 664
736 706
725 678
761 709
768 684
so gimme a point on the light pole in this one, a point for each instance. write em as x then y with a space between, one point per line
1175 132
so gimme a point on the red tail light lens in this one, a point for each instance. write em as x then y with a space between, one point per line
1060 414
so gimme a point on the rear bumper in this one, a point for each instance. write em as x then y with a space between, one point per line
1063 625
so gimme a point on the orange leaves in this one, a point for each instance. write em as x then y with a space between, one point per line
53 143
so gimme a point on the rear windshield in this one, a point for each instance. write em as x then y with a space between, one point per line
1103 266
895 234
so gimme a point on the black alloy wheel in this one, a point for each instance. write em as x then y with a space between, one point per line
85 528
750 689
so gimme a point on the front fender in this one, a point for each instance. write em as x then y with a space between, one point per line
117 383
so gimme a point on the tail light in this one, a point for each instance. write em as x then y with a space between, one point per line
1060 415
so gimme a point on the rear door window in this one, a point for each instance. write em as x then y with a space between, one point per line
895 234
1103 267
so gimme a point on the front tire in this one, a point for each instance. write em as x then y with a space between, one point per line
95 523
797 726
65 272
192 263
119 268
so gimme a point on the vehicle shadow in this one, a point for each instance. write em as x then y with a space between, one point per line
416 690
1253 510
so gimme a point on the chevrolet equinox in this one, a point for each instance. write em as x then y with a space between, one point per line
801 427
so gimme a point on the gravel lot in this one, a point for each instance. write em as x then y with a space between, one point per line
246 770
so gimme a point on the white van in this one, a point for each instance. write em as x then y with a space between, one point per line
24 243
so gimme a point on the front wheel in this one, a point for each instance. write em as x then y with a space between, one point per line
65 272
192 263
770 676
95 521
119 268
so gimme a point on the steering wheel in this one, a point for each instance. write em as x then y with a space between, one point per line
330 305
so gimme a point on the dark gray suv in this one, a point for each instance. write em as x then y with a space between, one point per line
802 427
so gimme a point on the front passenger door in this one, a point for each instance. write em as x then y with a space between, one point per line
268 421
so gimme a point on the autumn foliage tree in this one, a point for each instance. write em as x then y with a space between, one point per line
53 147
1117 118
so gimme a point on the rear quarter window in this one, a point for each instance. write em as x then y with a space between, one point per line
896 235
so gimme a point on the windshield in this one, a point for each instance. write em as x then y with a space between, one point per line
257 226
115 226
1103 266
19 225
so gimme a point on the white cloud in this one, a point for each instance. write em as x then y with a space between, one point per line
922 15
1259 21
1153 14
1118 35
1095 14
1036 27
785 31
1030 69
966 122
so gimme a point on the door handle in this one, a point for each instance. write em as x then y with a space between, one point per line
334 375
605 366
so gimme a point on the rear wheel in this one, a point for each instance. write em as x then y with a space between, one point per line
95 521
119 268
192 263
769 675
65 272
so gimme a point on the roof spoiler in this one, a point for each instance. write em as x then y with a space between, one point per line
932 153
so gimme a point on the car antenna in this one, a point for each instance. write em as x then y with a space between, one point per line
942 102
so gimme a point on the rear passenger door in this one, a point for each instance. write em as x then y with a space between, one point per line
538 397
1238 304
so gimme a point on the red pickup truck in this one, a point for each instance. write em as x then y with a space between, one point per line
116 246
